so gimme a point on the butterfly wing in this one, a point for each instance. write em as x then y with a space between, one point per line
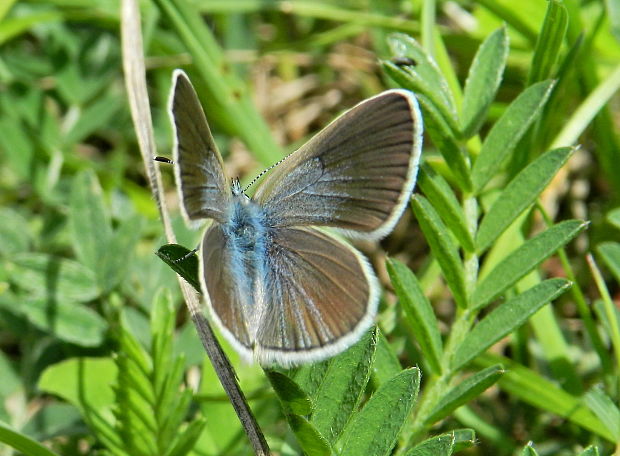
321 296
199 168
355 175
228 296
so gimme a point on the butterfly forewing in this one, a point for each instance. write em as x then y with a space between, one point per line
356 175
321 296
203 189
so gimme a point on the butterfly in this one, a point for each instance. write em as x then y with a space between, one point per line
282 288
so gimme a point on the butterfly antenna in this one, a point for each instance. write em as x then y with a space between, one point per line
265 171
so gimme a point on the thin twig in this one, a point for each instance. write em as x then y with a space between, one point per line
135 80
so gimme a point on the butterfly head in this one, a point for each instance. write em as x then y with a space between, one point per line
237 190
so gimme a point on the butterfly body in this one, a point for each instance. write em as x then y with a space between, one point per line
279 286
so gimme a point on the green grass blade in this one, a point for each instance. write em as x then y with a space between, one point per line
508 131
374 430
5 7
525 258
342 386
418 311
506 318
22 443
485 75
519 194
467 390
582 117
443 248
549 42
613 13
610 316
605 409
441 196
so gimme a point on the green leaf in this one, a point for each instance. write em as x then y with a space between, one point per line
386 363
310 376
419 314
187 268
96 115
543 394
590 451
15 235
507 317
613 217
441 445
423 77
13 26
528 450
53 277
309 439
519 194
464 438
485 75
444 139
117 260
522 260
89 220
293 398
443 248
469 389
188 438
342 386
69 321
605 409
549 42
441 196
104 251
507 131
374 430
22 443
83 381
610 254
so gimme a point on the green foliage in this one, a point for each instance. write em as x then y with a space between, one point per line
502 342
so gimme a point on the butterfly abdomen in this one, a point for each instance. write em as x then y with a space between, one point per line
246 233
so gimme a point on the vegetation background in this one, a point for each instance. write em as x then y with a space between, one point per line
507 339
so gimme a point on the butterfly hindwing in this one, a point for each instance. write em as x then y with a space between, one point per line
321 296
